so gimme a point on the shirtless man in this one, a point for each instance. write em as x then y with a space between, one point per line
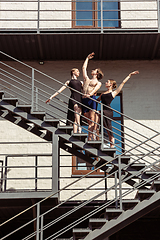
90 88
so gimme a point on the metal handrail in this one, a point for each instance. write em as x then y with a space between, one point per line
139 172
82 104
33 23
86 202
140 158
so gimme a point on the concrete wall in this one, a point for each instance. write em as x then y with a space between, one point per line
140 101
57 15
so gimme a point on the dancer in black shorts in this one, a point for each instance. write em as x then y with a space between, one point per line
90 88
74 101
106 98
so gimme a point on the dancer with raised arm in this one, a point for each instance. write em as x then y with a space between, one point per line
90 88
106 98
74 101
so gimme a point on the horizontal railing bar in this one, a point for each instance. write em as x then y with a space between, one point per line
77 20
16 88
17 77
145 155
15 68
12 94
16 82
76 208
47 198
25 143
88 30
90 187
26 167
29 155
104 105
87 216
70 1
74 10
139 172
118 129
29 178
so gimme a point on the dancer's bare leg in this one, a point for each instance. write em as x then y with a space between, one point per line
111 139
91 124
96 127
87 115
76 125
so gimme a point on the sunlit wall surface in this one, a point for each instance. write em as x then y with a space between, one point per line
67 14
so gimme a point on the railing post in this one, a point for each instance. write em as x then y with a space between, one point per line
55 162
102 135
38 213
38 14
41 228
36 99
101 16
120 182
105 174
158 15
32 104
5 174
36 163
1 177
116 203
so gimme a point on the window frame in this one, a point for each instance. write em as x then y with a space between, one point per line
98 173
94 16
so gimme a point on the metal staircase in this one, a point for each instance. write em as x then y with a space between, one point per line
139 171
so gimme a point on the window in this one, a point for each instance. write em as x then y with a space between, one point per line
80 167
87 13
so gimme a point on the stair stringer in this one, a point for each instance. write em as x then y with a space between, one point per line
105 159
125 218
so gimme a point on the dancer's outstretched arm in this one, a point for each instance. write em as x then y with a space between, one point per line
84 71
115 93
59 91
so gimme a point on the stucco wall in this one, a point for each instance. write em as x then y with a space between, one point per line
140 101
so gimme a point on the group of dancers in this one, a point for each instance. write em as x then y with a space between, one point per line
82 100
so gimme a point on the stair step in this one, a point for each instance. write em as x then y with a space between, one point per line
150 173
129 203
39 115
12 101
80 233
156 185
95 144
109 151
95 223
112 213
67 129
80 136
138 166
25 108
1 94
52 122
144 194
125 159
